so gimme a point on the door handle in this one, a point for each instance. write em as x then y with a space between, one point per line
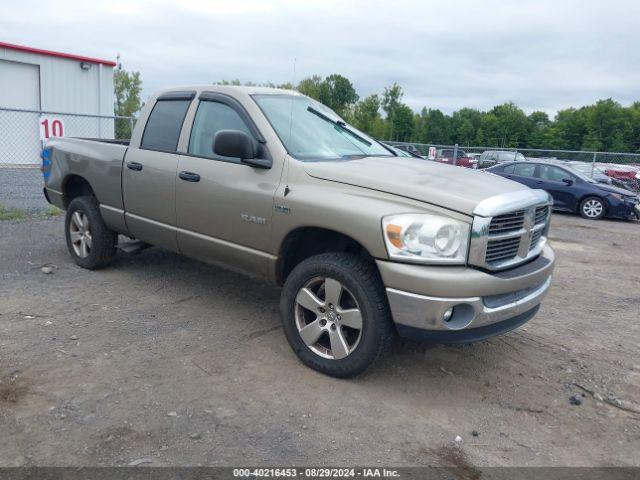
134 166
189 176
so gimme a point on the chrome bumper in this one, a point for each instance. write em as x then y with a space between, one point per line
428 313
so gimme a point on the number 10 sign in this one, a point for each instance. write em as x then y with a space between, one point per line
51 127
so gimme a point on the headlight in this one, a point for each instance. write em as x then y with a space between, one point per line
425 238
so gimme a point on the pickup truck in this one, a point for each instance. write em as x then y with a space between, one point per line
366 244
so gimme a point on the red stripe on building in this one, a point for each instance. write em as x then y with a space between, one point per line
50 53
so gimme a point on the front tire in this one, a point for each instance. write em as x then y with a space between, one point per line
335 314
592 208
89 241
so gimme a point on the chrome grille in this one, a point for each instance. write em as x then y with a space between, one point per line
510 229
541 214
499 250
509 222
535 238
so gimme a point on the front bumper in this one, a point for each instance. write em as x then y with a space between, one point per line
474 300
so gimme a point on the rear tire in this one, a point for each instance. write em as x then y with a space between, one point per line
89 241
592 208
345 320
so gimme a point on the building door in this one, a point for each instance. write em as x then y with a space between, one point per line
19 89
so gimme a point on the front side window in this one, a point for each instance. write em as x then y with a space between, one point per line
310 131
162 130
524 169
549 172
508 169
212 117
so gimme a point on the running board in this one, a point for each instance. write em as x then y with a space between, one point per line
132 246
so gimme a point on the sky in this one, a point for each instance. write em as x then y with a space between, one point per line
542 55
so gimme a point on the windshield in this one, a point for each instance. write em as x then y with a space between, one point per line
311 131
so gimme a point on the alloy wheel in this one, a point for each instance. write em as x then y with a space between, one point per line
328 318
592 208
80 234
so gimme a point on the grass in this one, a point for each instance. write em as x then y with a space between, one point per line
7 214
11 213
50 211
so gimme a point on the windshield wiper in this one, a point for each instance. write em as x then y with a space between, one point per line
340 124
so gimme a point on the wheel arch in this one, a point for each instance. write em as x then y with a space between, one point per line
304 242
74 186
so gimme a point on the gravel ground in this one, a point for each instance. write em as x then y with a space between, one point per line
165 360
22 188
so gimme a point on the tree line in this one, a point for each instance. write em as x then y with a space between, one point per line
603 126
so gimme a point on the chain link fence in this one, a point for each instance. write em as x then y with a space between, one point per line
22 132
616 168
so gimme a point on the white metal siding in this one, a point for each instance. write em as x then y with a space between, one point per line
33 81
65 87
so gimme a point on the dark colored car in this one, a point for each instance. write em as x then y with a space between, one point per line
490 158
572 191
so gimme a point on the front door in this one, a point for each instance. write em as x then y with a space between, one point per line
149 175
551 179
224 207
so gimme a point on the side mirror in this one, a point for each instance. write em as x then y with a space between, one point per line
234 143
568 181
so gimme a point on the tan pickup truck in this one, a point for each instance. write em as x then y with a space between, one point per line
365 243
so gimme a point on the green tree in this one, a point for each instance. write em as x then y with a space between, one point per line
127 88
311 87
366 116
433 127
506 126
338 93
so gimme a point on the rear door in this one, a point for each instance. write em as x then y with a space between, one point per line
224 207
525 173
149 173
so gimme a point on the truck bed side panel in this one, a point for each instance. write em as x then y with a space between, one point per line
99 163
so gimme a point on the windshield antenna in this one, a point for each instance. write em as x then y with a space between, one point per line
293 86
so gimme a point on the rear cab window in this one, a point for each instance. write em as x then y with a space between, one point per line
164 124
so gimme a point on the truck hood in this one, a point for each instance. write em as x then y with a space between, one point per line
448 186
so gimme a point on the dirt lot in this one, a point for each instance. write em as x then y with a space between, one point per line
166 361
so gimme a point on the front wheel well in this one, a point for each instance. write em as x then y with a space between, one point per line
306 242
75 186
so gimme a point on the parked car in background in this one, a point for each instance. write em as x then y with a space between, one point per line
571 190
627 175
490 158
409 148
446 155
591 171
400 152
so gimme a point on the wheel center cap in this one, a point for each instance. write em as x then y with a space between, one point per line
331 316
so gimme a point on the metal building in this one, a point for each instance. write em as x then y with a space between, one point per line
41 95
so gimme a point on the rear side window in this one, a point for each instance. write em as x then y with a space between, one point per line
164 124
524 169
508 169
212 117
